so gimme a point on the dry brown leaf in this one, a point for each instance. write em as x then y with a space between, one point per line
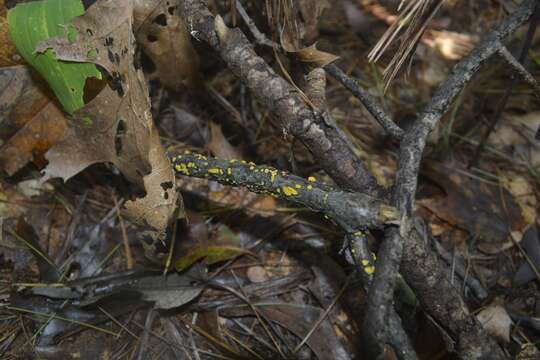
310 54
481 208
496 321
20 99
30 123
219 145
116 126
35 138
165 39
159 207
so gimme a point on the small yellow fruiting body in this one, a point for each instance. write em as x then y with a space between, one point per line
289 191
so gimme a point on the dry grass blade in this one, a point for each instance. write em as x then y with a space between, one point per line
416 15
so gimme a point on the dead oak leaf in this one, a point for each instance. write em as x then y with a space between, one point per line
116 125
159 206
165 39
310 55
30 123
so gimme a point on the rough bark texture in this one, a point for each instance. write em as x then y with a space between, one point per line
323 140
420 266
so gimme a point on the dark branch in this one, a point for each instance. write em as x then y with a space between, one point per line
420 266
351 211
519 69
414 141
324 141
367 100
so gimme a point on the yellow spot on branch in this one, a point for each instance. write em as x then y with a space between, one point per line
298 186
229 171
182 168
289 191
309 187
365 262
311 179
215 171
369 269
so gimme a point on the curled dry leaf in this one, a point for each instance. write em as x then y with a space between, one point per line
310 55
159 206
219 145
165 39
116 126
496 321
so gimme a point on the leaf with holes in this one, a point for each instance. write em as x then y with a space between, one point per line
164 38
116 126
33 22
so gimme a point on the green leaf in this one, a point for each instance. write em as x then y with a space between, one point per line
33 22
211 255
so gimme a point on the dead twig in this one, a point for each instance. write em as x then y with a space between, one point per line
420 266
324 141
351 211
367 100
517 66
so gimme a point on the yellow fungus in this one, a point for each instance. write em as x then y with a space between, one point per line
229 171
190 164
369 269
181 168
215 171
365 262
309 187
273 174
311 179
289 191
298 186
252 168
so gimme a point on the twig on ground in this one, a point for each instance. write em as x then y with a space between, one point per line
260 38
349 83
420 267
519 69
461 271
367 100
324 141
501 49
351 211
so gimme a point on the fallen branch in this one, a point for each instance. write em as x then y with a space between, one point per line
323 140
367 100
352 211
420 266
